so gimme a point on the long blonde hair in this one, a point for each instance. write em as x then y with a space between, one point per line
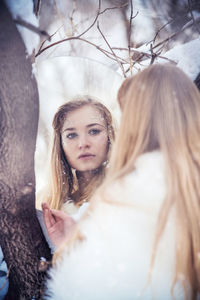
62 180
161 110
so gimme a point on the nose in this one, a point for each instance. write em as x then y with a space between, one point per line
83 142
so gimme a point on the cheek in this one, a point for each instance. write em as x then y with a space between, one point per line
102 143
68 150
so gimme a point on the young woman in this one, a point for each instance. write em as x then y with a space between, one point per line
83 135
140 238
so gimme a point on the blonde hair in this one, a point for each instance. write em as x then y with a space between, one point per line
161 110
63 181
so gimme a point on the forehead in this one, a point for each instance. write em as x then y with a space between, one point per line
83 116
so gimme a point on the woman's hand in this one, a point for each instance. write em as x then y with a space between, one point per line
58 224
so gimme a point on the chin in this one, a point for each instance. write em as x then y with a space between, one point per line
88 169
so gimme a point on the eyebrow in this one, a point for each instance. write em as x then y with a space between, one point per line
88 126
94 124
69 129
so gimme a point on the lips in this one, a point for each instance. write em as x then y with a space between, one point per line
86 156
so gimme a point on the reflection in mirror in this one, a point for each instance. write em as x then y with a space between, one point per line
61 79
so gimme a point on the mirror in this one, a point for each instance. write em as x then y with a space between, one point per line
59 80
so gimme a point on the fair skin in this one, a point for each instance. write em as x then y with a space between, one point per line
85 143
59 225
85 140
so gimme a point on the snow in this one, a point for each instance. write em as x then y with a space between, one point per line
187 57
24 10
142 25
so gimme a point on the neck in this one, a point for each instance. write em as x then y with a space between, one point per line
84 178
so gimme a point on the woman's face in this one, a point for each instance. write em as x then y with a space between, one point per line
85 139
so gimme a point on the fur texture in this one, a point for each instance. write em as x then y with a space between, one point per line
113 261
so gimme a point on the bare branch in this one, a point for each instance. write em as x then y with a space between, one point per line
186 26
130 33
71 18
159 30
32 27
42 44
134 56
141 55
115 7
120 64
168 59
95 20
107 53
36 7
192 15
129 36
153 55
111 54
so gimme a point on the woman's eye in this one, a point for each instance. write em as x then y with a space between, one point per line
94 131
71 135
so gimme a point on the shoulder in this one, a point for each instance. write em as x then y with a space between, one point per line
145 185
74 211
69 207
149 168
119 236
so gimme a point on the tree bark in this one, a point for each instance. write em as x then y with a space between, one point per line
197 81
21 238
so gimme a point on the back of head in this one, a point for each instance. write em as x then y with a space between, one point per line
161 109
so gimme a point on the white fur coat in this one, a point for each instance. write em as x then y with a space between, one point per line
112 262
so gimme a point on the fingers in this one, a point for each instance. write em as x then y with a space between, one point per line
45 205
48 217
61 215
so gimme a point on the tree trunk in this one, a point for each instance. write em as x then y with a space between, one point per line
21 238
197 81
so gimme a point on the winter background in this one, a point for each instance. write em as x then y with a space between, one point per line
88 47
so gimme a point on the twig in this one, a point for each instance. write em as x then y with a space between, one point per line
72 19
192 15
32 27
111 54
71 38
159 30
36 7
115 7
153 55
83 40
168 59
81 34
42 44
95 20
142 54
120 64
186 26
129 36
